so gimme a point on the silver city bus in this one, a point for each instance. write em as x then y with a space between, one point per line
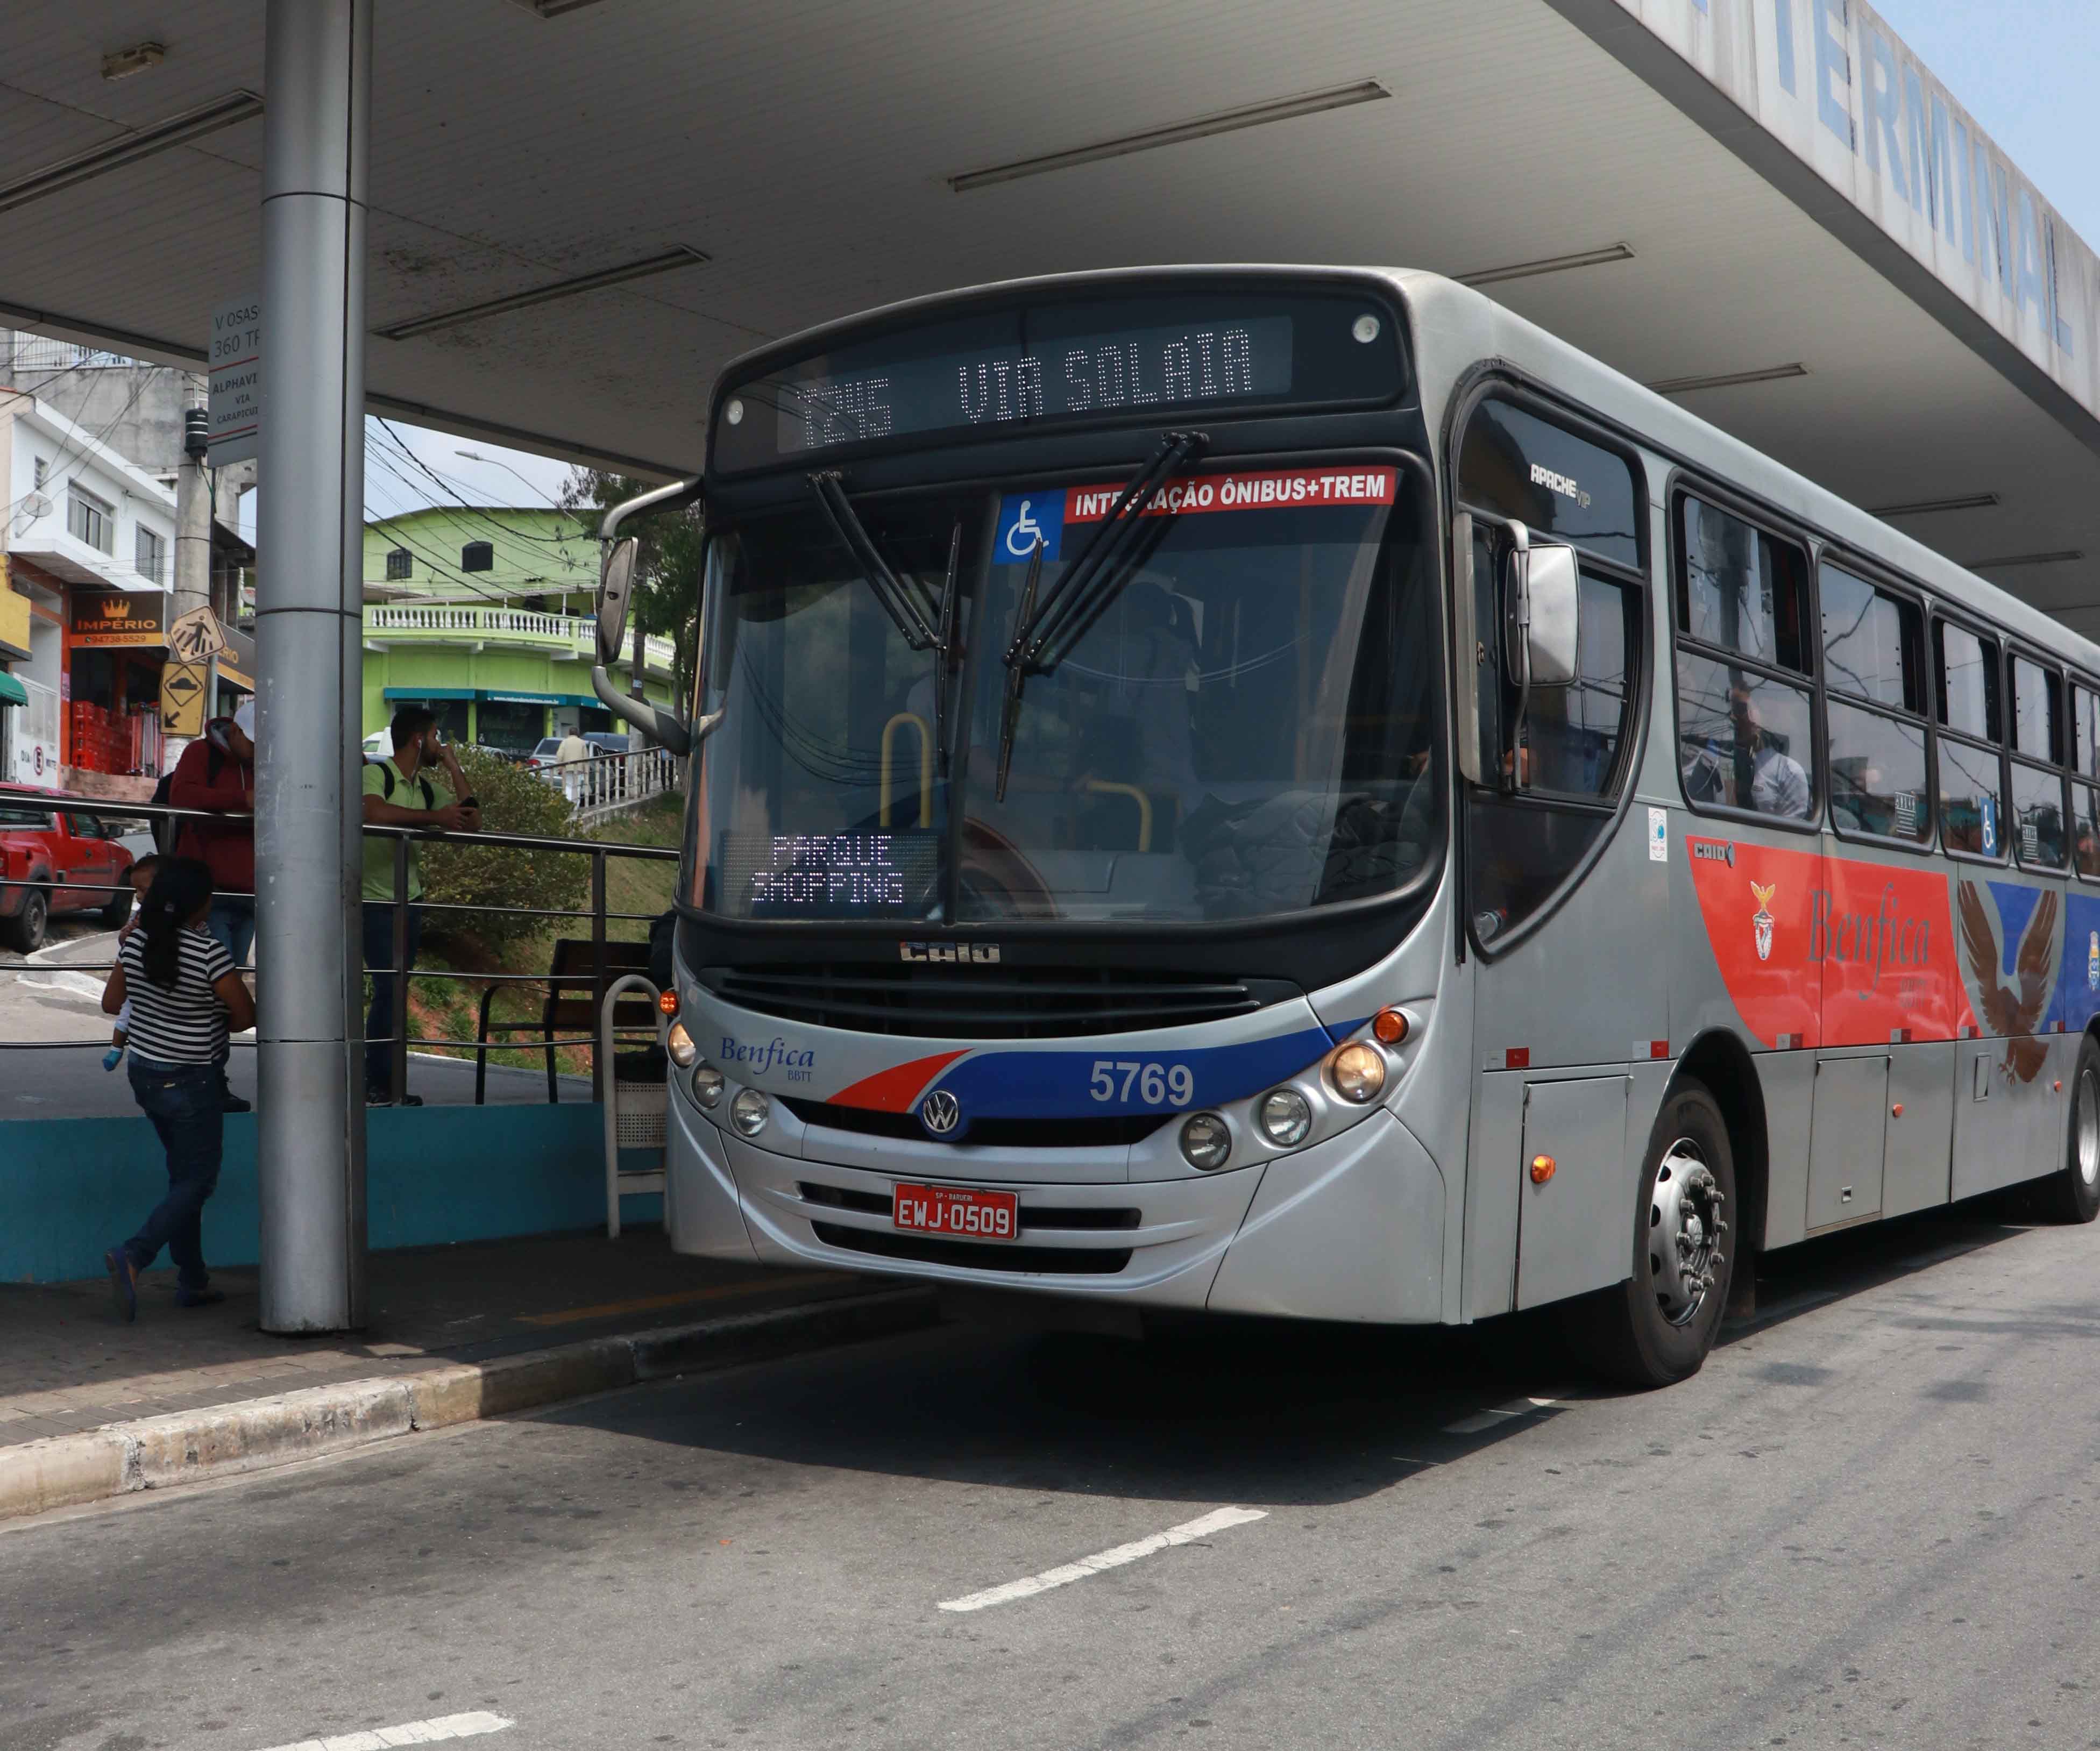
1292 792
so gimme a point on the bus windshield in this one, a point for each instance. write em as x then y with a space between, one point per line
1245 730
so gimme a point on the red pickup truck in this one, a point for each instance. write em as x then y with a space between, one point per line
63 863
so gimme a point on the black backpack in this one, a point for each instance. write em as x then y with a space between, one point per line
163 829
386 784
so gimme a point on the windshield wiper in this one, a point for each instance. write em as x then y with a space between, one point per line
1016 675
905 608
944 645
1043 637
1047 636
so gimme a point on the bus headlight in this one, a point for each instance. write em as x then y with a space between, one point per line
1357 1072
1206 1143
679 1043
749 1111
1285 1116
707 1086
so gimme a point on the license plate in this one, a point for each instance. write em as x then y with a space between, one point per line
959 1212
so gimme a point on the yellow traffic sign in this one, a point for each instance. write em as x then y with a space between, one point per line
183 686
197 635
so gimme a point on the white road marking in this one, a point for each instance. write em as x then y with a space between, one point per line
1482 1421
1188 1532
409 1733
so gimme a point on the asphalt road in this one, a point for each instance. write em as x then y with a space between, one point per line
1873 1520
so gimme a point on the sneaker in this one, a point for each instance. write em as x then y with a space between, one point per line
199 1297
230 1102
123 1282
380 1097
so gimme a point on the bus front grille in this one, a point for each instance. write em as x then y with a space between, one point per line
987 1003
976 1255
1113 1132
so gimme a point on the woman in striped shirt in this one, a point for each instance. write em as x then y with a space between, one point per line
186 996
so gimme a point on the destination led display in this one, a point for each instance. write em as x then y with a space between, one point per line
873 875
1098 360
1089 373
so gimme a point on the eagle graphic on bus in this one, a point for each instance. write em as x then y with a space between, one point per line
2014 1010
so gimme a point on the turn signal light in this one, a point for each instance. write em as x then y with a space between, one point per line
667 1002
1390 1025
1543 1167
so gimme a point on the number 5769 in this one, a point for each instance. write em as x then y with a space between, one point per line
1157 1084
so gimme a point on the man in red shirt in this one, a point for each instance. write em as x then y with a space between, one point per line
217 772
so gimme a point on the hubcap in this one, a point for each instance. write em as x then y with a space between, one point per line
2088 1128
1684 1226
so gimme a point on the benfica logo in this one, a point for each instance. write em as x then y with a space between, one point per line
1761 921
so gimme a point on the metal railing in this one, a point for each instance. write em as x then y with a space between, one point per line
440 621
398 1040
33 352
606 783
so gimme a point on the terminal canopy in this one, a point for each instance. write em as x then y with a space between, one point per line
1767 209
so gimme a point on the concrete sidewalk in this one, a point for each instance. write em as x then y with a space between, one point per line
90 1406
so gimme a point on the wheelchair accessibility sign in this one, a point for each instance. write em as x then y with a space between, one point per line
1025 518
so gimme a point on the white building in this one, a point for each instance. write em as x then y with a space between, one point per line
87 572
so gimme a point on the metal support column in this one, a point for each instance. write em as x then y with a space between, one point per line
310 526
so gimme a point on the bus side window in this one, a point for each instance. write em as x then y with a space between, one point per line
1873 659
1550 788
1572 733
1524 846
1745 716
2085 775
2037 695
1971 766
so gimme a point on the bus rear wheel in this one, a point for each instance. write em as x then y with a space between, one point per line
2072 1193
1656 1328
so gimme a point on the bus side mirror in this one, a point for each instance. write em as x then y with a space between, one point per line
615 591
1547 590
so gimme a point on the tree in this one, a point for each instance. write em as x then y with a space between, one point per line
517 885
666 592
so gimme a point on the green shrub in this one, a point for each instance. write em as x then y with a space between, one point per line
512 800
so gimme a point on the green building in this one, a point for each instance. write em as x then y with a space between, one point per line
484 612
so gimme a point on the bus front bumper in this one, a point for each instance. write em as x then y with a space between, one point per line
1351 1228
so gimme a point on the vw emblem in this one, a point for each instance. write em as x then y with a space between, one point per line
941 1113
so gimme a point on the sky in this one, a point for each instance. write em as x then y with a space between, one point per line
2028 71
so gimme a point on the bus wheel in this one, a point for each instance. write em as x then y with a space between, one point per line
1656 1328
2072 1194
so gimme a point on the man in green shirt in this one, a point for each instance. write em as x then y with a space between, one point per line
405 790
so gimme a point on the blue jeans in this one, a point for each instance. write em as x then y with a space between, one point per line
378 961
233 921
182 1101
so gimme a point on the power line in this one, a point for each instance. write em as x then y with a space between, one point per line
452 488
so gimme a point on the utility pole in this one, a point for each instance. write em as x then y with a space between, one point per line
635 679
193 580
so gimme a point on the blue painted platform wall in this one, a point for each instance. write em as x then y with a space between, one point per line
69 1187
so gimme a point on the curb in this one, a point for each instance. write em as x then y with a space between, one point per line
221 1440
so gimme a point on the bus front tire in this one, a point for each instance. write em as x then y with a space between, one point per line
1656 1328
2072 1193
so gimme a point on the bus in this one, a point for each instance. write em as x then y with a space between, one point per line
1292 792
